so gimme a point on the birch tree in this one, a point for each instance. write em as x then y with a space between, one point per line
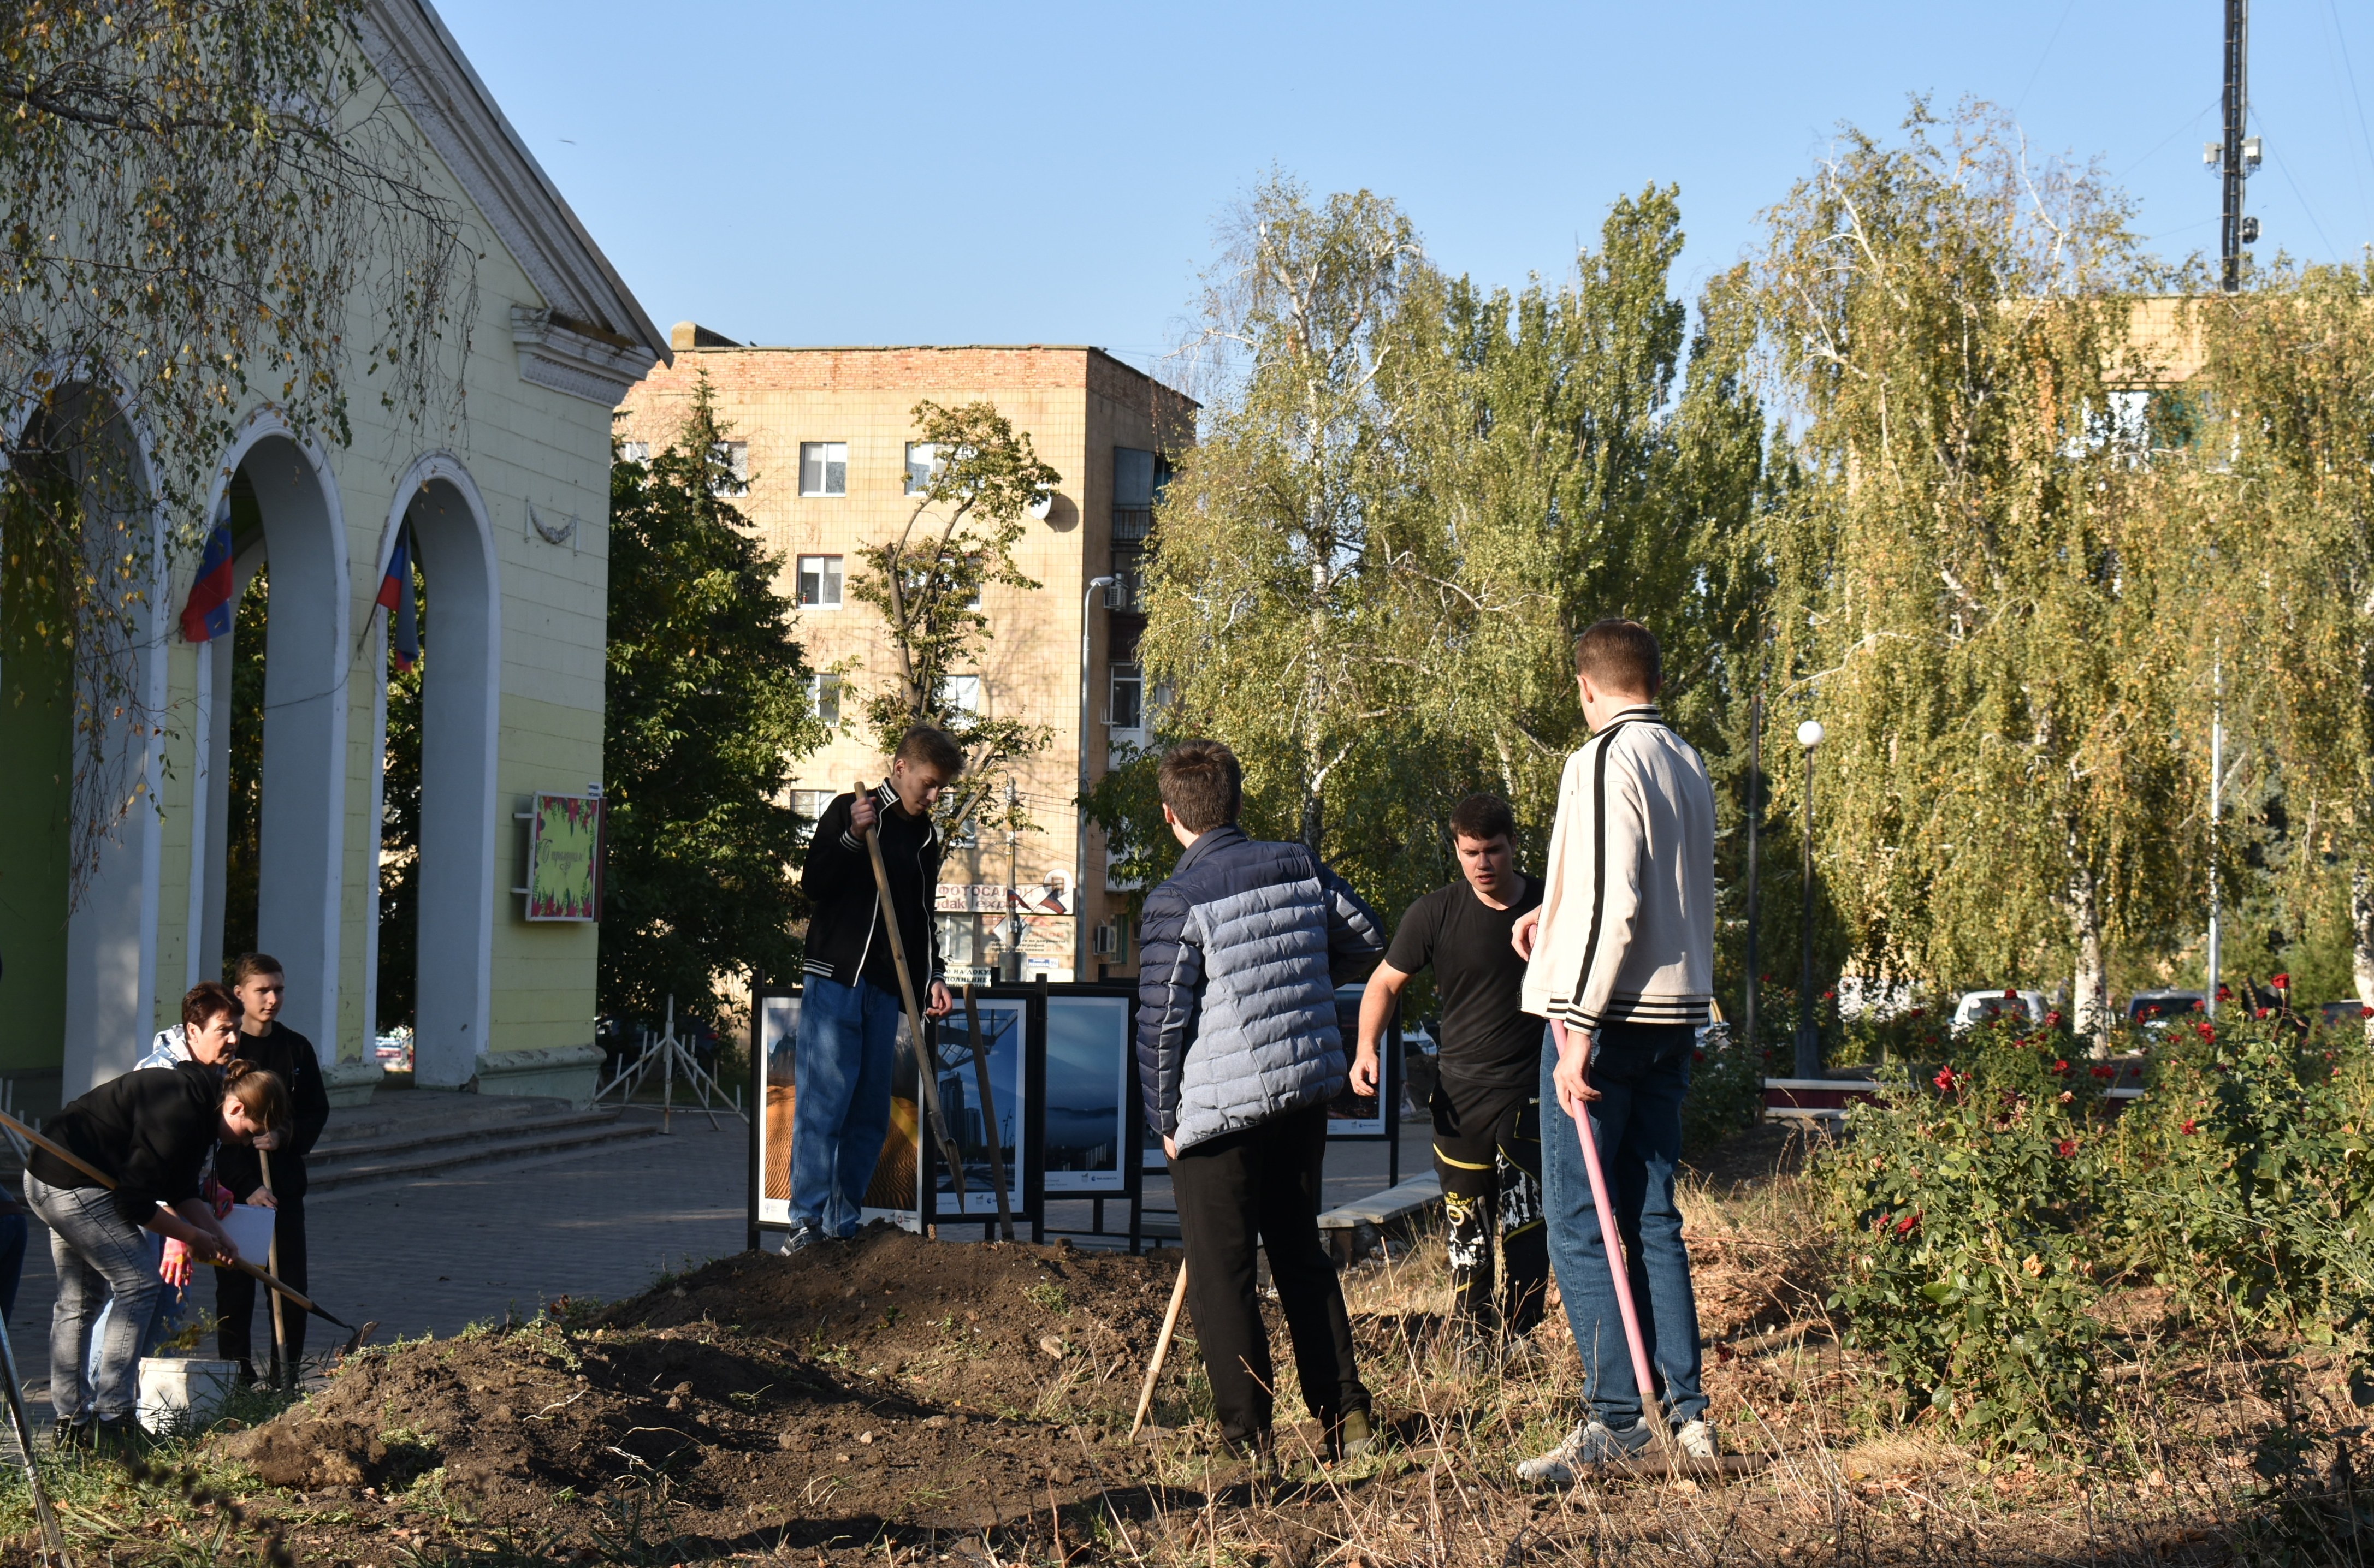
1972 598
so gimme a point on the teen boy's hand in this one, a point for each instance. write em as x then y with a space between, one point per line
1568 1077
862 814
1521 935
940 1002
1364 1071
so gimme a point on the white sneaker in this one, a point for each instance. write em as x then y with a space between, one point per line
1593 1443
1696 1440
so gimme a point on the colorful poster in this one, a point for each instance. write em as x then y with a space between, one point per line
564 879
892 1194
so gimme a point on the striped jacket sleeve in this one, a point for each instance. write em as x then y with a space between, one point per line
1611 816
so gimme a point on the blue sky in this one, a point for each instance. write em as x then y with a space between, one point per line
1040 172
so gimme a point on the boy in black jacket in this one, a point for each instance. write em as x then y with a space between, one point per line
259 984
850 1011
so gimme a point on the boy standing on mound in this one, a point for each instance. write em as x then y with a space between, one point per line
1240 1053
850 1008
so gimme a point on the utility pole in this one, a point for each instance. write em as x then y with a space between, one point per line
1809 1034
1009 958
2217 768
2235 158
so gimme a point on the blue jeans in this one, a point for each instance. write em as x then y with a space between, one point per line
841 1102
99 1254
1641 1073
166 1315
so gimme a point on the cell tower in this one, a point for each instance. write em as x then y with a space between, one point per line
2235 158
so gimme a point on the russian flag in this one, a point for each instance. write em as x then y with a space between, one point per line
208 614
396 597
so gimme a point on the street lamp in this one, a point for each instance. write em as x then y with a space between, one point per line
1080 861
1809 1038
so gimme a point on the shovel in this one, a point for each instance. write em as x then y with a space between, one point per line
355 1335
926 1060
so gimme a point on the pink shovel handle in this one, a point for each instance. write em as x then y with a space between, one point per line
1613 1238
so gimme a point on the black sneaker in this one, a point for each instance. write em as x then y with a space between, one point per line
119 1439
67 1436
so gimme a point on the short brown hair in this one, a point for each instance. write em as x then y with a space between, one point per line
204 999
260 1090
1202 784
250 965
930 746
1483 817
1621 656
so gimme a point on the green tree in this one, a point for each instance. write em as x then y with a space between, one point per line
706 710
1972 596
927 583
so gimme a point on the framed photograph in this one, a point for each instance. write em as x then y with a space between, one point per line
1004 1042
564 857
893 1194
1088 1112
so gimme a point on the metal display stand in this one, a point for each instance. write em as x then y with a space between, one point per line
667 1053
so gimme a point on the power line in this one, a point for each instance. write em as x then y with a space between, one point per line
2043 57
2357 99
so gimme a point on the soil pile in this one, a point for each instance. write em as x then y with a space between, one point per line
884 1379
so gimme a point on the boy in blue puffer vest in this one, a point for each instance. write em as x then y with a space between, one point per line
1238 1054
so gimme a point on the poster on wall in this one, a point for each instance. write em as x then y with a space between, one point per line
893 1195
1363 1116
564 859
1003 1038
1088 1118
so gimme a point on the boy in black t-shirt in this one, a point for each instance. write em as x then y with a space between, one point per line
1487 1137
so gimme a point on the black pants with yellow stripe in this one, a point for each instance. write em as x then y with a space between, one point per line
1487 1150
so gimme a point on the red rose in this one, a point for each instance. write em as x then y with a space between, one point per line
2225 993
1914 1014
2054 1018
2103 1072
2065 1148
1904 1226
2261 1012
1945 1079
2366 1013
1829 996
2281 982
2189 1129
2011 991
2060 1066
2208 1031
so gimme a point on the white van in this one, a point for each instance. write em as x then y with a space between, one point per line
1977 1007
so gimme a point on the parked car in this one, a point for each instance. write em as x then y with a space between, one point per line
2154 1011
1977 1007
2350 1014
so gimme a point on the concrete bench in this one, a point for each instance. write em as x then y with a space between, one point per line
1353 1228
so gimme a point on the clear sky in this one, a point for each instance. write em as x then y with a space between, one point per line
1009 173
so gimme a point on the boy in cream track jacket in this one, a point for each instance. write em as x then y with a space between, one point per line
1621 954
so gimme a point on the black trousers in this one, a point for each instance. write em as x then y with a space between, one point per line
235 1295
1488 1150
1260 1186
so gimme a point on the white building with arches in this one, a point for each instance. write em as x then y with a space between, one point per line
509 517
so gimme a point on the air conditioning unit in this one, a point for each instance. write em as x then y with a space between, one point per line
1108 941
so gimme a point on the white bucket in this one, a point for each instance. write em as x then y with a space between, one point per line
182 1392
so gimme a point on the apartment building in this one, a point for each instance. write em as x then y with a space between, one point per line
823 440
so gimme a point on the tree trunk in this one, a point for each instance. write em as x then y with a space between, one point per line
2361 926
2089 990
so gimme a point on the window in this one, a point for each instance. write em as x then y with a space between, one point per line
810 804
922 461
819 582
1125 707
963 695
823 468
736 456
824 696
634 451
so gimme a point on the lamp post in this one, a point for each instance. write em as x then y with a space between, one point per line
1080 806
1809 1038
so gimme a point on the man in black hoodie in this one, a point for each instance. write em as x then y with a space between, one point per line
849 1010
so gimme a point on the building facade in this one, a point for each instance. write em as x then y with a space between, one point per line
507 513
826 439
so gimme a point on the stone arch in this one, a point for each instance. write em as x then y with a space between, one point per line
100 980
460 709
308 663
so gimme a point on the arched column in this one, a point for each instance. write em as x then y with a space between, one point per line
460 707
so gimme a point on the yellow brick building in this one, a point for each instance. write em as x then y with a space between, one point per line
826 438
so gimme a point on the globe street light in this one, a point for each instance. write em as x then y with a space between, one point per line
1809 1038
1080 865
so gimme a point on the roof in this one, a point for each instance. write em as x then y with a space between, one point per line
591 308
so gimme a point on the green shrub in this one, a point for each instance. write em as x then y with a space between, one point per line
1967 1209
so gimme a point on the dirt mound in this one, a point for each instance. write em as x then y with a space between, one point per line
886 1379
1010 1329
